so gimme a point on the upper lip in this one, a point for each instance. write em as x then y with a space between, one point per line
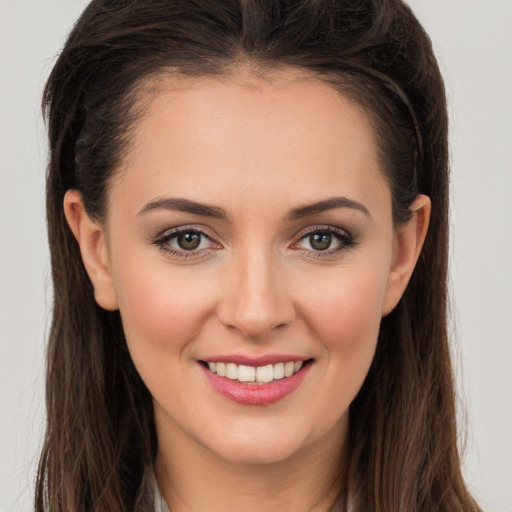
249 360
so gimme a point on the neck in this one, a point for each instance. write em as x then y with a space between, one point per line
191 478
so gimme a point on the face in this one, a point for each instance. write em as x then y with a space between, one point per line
250 248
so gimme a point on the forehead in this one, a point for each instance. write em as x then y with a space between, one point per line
293 101
286 133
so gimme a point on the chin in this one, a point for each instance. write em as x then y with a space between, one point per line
242 450
271 441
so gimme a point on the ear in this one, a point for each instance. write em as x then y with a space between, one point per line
93 246
408 242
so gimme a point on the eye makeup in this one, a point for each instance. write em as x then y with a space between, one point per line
187 241
324 241
195 241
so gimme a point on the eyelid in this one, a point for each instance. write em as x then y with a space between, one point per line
162 240
345 237
185 228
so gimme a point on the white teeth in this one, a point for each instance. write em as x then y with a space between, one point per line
232 371
265 373
258 374
278 371
246 373
221 369
288 369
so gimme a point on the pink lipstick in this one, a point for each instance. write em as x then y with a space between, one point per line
256 381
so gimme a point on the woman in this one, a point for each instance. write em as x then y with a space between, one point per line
247 209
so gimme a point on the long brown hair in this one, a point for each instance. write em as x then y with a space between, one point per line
100 436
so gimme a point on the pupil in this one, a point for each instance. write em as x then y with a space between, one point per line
189 241
320 241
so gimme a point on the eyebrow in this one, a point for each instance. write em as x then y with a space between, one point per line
328 204
184 205
188 206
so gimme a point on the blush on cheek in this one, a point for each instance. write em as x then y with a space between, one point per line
159 320
165 306
349 312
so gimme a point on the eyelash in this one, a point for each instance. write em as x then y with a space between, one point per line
345 239
162 242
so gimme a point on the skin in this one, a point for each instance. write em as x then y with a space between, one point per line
257 148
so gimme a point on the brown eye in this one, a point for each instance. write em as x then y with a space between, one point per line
186 242
329 240
189 241
320 241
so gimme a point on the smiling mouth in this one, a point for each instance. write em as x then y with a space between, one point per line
255 375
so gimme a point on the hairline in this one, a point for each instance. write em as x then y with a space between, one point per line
142 94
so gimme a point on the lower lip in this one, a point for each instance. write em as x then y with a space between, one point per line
256 394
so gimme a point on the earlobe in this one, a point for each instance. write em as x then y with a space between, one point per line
409 239
93 247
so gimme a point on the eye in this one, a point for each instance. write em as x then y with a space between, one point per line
326 240
188 241
185 242
320 241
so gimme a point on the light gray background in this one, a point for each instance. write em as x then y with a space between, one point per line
473 40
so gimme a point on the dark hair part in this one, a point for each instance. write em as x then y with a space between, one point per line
100 434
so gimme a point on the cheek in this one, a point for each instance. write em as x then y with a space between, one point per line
346 316
347 307
161 310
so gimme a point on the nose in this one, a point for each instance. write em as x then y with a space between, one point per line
255 300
